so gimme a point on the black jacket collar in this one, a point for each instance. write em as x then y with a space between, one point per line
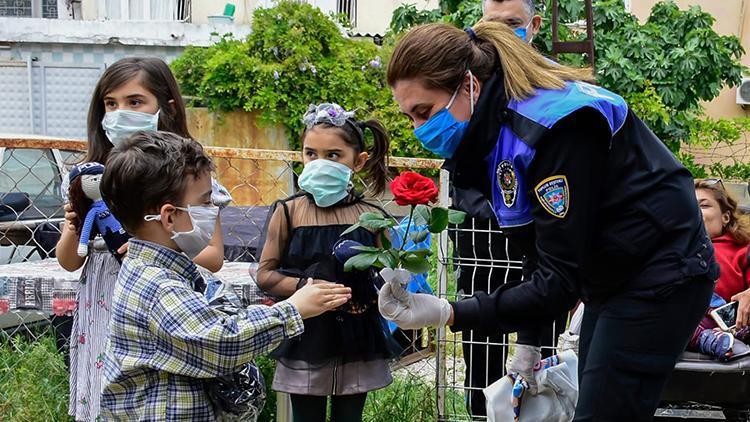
467 167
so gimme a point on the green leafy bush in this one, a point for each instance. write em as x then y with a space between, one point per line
267 367
664 67
33 380
295 56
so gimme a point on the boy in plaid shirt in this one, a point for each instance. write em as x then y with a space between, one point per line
165 340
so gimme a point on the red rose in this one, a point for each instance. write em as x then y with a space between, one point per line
410 188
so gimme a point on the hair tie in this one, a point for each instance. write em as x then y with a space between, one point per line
472 34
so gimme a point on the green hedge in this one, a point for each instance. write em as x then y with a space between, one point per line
295 56
33 380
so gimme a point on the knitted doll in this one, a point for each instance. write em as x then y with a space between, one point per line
93 214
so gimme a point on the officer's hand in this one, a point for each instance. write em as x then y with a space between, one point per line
523 363
743 309
407 310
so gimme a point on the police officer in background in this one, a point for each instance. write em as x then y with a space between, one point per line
609 211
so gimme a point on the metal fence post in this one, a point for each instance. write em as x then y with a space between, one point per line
283 407
442 288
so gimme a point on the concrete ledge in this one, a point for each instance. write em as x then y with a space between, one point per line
149 33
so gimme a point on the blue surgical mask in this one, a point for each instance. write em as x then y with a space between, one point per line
442 133
521 32
120 124
327 181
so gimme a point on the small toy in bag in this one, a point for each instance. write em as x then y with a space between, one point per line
93 214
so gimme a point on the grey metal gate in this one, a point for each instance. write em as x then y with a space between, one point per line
46 99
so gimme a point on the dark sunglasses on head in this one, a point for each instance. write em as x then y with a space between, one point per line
713 181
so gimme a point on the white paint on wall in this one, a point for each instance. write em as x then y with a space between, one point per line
105 32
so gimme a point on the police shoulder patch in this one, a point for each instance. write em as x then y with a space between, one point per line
508 182
554 195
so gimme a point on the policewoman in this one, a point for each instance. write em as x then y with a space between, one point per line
610 213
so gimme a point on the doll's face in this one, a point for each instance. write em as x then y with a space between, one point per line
90 186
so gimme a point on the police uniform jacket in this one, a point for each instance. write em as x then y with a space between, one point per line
591 193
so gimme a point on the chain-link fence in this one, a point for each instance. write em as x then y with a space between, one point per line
441 373
479 257
38 298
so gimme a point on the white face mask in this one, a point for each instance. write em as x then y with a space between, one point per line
120 124
192 242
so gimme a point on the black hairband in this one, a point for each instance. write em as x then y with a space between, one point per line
472 34
359 128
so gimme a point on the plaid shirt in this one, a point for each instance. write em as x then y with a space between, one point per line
166 341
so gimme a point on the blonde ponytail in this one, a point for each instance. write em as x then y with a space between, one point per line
525 69
439 54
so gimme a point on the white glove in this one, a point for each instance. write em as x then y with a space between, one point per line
568 341
523 362
407 310
83 250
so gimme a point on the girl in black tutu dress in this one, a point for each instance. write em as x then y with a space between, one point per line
342 353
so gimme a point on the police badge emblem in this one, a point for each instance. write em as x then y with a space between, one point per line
554 195
508 182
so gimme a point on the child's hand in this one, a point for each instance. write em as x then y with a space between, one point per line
122 250
70 217
314 299
319 281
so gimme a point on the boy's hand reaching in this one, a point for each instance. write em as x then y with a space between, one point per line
315 298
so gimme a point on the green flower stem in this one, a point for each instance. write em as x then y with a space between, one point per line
408 226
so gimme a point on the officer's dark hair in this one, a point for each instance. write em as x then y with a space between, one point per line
148 170
438 55
738 226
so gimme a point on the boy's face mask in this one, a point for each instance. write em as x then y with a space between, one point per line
203 219
120 124
327 181
442 133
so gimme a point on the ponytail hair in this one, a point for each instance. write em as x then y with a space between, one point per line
439 55
353 132
376 167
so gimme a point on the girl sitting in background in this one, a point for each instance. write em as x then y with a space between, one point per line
730 234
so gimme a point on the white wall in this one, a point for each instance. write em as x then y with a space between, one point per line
243 11
176 34
374 16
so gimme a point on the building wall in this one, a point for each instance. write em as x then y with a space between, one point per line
52 97
373 16
732 18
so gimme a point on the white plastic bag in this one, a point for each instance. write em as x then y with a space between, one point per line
555 401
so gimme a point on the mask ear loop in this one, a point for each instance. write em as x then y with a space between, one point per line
192 222
453 98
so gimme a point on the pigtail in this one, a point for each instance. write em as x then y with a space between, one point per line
376 167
